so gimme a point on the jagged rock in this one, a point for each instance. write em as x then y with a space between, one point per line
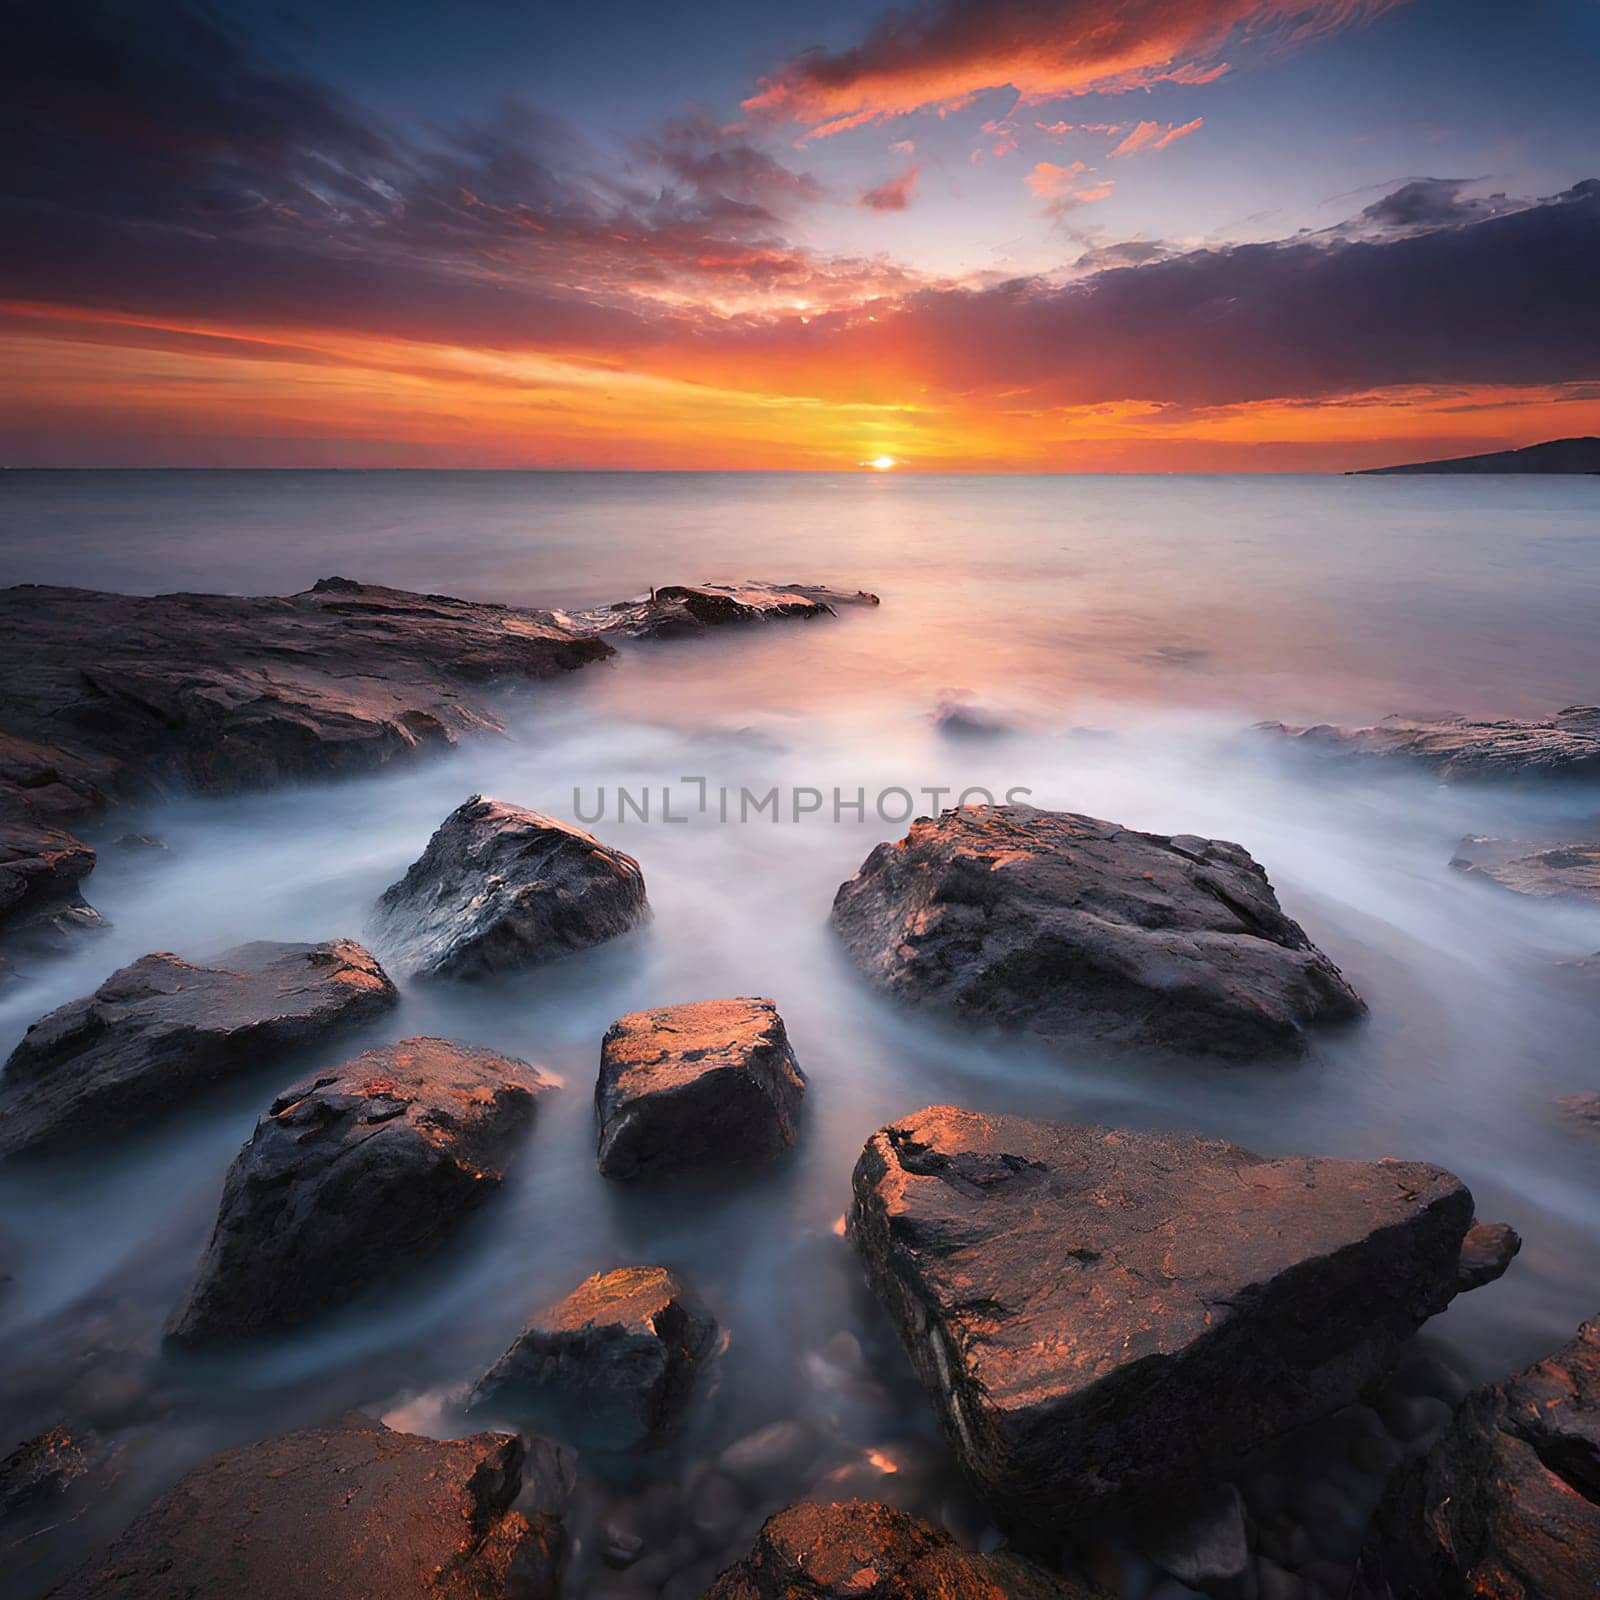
1547 870
614 1363
1075 928
500 887
1507 1503
1459 749
863 1550
41 909
681 609
44 1467
353 1509
1488 1249
714 1083
353 1174
1098 1315
103 696
162 1031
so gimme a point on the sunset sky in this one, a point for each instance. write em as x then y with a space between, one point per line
973 235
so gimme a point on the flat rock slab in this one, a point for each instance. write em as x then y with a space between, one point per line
711 1084
1507 1503
501 887
678 610
1458 749
1546 869
1075 928
612 1365
1098 1315
352 1175
161 1032
864 1550
354 1509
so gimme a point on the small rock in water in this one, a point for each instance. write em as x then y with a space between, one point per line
1549 870
44 1467
961 720
777 1453
1086 1341
354 1509
1199 1539
710 1084
1488 1249
162 1031
612 1364
500 888
863 1550
354 1173
1074 928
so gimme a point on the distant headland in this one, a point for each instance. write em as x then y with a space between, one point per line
1556 455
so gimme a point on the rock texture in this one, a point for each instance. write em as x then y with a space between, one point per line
104 696
500 887
353 1174
678 610
43 1468
863 1550
1507 1503
1459 749
705 1085
1098 1315
159 1033
1568 870
1075 928
351 1510
613 1364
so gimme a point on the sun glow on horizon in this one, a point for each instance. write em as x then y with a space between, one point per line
881 463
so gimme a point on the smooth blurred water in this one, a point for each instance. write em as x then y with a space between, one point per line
1131 627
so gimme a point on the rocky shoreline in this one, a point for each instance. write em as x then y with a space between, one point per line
1138 1348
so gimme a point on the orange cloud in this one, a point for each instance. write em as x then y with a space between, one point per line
1151 135
941 55
894 194
1058 187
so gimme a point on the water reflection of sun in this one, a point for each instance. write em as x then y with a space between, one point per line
881 463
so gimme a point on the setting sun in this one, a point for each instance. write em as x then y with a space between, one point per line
881 463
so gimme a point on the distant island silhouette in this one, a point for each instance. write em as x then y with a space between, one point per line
1556 455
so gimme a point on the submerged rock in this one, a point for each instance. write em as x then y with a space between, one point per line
1075 928
864 1550
614 1363
709 1084
1547 870
1507 1503
162 1031
1098 1315
961 719
500 887
359 1171
680 609
45 1467
1585 1107
1459 749
353 1509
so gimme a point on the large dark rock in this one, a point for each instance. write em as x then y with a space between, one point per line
612 1365
351 1510
103 696
678 610
1507 1503
1458 749
710 1084
1074 928
500 887
161 1032
863 1550
1546 869
353 1174
1099 1315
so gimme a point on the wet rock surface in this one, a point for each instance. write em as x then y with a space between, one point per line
43 1468
613 1364
353 1509
1487 1251
501 887
862 1550
709 1084
1458 749
678 610
353 1174
1545 869
1507 1503
1075 928
160 1032
106 696
1098 1315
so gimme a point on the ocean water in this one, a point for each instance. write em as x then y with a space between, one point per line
1129 628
